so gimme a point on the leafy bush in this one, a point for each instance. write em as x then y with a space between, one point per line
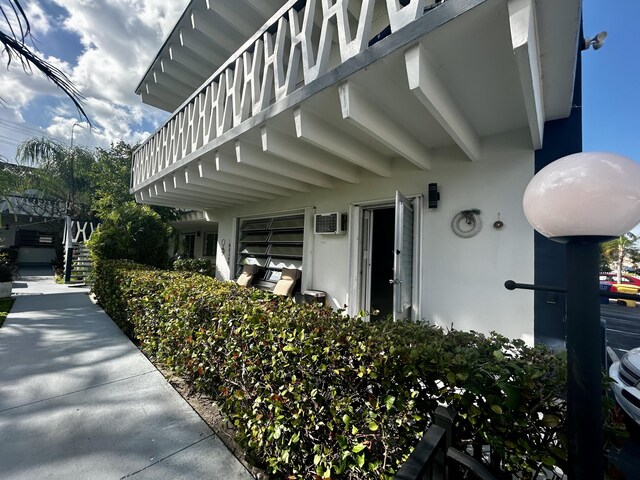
313 392
8 268
9 255
133 232
198 265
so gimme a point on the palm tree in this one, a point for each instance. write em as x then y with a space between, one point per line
14 39
8 182
61 173
617 251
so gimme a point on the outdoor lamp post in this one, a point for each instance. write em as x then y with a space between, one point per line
582 200
68 229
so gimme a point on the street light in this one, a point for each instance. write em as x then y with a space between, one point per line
581 200
68 241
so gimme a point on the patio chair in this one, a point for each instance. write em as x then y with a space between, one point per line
246 276
287 282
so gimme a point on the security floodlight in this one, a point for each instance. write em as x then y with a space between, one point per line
596 42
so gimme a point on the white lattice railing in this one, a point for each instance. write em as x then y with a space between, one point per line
277 61
81 231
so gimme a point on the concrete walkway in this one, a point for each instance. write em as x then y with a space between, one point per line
79 401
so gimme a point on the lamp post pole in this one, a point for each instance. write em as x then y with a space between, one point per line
68 240
584 380
581 200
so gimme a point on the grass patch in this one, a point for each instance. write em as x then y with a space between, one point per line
5 307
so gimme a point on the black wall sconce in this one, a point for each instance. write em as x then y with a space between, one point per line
434 195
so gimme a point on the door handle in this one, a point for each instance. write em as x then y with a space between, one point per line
395 281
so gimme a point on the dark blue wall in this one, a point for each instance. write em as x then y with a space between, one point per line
561 138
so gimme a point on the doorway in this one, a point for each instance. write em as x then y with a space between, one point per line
381 261
389 258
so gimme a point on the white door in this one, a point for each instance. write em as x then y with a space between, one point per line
403 258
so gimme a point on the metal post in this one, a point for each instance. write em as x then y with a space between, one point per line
68 245
584 383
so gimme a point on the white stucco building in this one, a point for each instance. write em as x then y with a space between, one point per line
297 116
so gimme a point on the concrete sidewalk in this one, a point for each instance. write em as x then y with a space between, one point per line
79 401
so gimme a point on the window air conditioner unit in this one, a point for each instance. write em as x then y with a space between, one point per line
333 223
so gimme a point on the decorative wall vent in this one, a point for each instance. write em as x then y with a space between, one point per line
333 223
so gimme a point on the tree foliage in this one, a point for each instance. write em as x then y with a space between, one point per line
60 173
615 253
133 232
14 39
111 175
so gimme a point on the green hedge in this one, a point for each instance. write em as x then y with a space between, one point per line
314 392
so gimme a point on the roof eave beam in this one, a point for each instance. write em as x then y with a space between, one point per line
165 189
155 101
222 170
320 133
200 22
172 84
193 62
181 181
160 91
201 46
254 156
291 149
181 73
425 84
145 197
522 22
360 112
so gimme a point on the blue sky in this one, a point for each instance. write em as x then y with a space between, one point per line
611 78
91 42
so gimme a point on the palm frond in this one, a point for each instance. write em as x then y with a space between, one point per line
16 48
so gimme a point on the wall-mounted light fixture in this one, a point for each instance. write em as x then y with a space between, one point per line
596 42
434 195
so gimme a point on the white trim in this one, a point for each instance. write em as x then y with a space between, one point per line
416 296
353 237
306 282
233 242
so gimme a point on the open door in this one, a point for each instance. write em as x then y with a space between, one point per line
403 258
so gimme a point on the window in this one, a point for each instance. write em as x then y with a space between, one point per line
272 243
189 245
33 238
210 242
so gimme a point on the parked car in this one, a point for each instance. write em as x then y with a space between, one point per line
612 279
625 373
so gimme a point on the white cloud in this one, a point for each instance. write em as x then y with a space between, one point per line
119 39
38 19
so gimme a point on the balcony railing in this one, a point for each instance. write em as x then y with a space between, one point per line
292 50
32 206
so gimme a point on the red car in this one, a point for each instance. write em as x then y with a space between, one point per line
612 278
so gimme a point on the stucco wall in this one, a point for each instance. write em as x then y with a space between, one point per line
461 279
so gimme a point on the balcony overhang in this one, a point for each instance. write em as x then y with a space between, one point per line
194 221
463 71
205 36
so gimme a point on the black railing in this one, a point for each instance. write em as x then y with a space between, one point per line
434 457
511 285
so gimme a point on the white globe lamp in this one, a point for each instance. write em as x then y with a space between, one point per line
585 195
